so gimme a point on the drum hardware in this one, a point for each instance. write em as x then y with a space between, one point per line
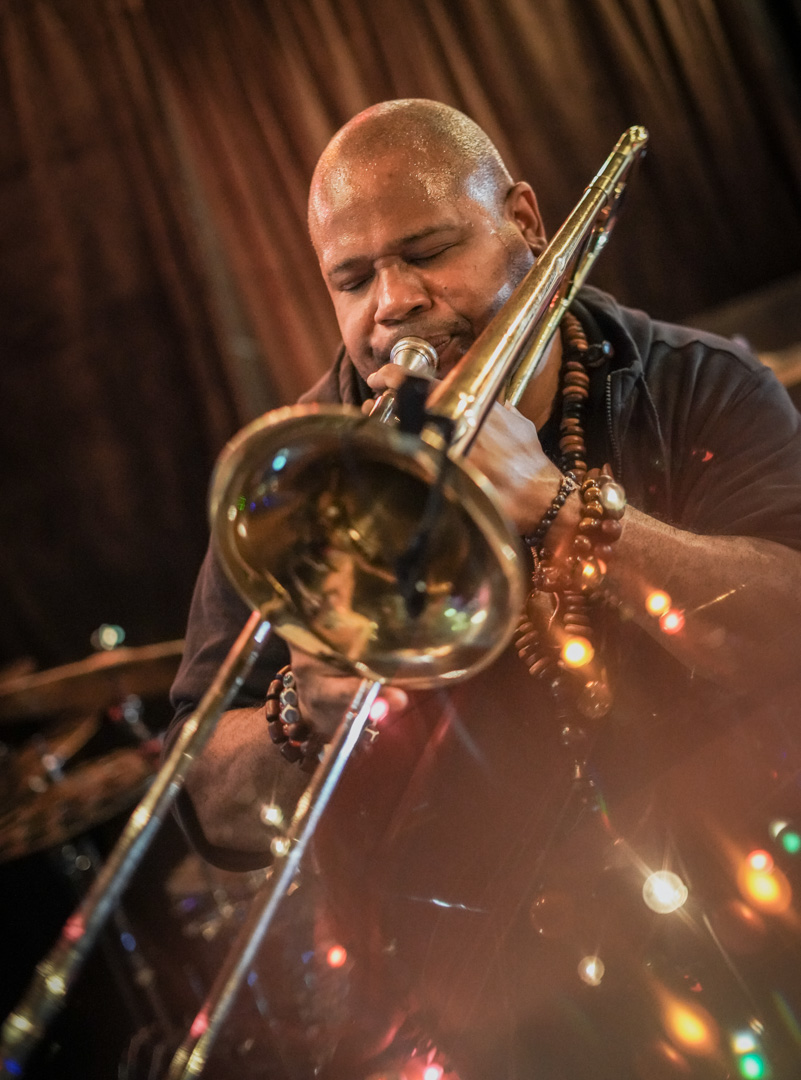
314 502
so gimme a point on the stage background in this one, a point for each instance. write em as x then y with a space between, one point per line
157 287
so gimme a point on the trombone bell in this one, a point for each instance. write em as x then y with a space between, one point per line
314 511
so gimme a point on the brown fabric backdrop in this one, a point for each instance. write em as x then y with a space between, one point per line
716 210
113 399
154 159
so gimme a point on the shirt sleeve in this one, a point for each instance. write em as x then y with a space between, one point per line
735 452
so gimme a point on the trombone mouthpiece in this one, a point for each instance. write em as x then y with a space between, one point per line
416 355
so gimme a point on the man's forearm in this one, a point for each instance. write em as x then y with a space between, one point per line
740 598
239 773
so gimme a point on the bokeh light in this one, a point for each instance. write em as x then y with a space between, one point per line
766 890
577 651
753 1066
671 622
379 710
761 861
657 602
336 956
664 892
691 1027
591 970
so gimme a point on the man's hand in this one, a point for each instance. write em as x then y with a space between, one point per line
508 452
325 694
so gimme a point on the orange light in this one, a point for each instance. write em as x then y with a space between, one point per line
689 1026
577 651
671 621
766 890
336 956
657 602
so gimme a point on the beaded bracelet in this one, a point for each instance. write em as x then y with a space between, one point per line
603 504
567 484
298 739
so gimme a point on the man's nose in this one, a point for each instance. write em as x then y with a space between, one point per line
401 293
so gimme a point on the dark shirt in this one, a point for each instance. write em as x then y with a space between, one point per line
467 868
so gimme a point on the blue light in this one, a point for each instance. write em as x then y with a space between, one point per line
12 1066
128 941
279 461
252 977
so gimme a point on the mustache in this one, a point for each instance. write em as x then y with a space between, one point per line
437 336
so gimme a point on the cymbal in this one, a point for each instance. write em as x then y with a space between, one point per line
89 795
94 683
26 768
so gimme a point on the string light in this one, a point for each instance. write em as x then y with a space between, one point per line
664 892
336 956
760 861
591 970
657 602
577 651
766 889
672 621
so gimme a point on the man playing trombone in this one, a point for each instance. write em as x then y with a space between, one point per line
494 835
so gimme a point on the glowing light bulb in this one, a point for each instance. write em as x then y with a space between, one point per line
743 1041
791 842
336 956
767 890
664 892
271 814
379 710
657 602
752 1066
591 970
590 571
760 861
432 1072
280 847
671 622
577 651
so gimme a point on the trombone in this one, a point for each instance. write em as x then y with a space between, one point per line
380 551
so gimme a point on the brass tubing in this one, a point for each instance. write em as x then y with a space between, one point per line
192 1055
466 395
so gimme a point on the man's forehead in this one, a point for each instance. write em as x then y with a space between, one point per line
353 181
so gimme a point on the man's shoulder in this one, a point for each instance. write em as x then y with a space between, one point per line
650 342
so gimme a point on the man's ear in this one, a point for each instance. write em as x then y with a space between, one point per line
520 207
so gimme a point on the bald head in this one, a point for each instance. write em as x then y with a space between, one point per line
437 146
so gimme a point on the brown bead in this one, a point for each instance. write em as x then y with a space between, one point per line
582 545
593 509
611 530
589 526
571 442
603 551
272 709
575 393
